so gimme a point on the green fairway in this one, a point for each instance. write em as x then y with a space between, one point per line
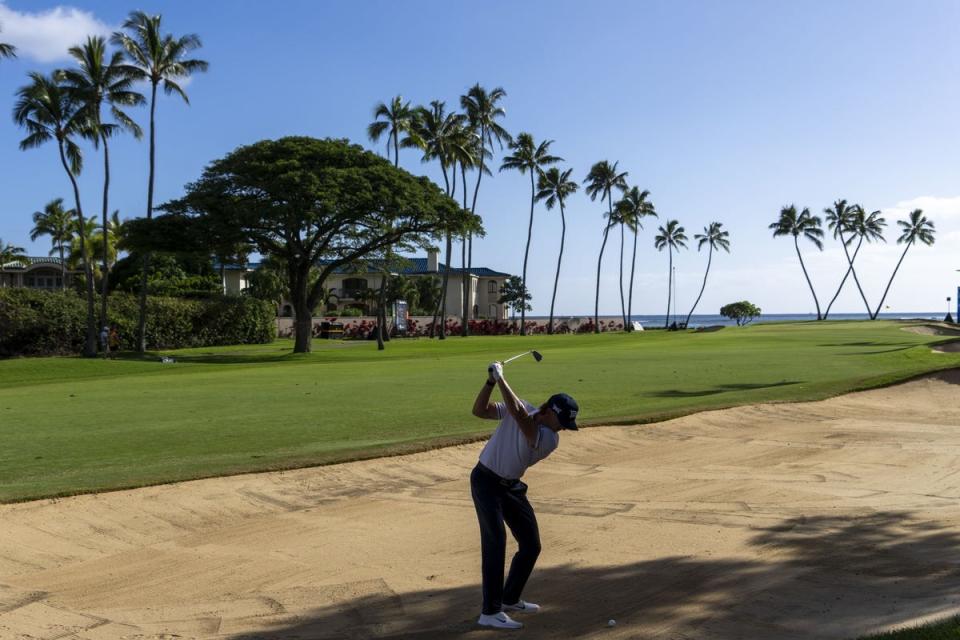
71 425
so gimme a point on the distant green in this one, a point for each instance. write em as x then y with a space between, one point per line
70 425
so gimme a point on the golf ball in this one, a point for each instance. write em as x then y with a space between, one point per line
611 622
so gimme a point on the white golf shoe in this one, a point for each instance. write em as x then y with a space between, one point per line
521 607
499 621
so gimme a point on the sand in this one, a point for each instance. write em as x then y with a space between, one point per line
814 520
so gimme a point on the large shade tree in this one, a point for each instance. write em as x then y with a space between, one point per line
672 237
314 205
602 179
50 113
792 223
160 59
916 228
526 156
56 222
101 79
632 209
554 187
715 237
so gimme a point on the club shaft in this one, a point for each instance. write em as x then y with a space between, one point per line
519 355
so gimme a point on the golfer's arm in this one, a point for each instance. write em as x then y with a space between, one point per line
519 412
482 407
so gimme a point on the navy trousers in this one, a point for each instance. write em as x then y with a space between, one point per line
498 500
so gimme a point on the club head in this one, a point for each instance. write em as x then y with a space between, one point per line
537 356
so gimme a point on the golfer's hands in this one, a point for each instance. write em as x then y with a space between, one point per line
495 371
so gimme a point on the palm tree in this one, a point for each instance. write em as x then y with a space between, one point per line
528 157
803 224
9 253
717 238
860 226
56 222
157 58
602 180
467 151
7 50
916 227
672 237
632 209
48 112
435 131
554 187
393 120
483 110
100 80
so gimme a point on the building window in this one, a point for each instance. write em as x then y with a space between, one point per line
354 287
492 286
30 281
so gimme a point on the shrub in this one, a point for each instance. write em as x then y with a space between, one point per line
34 322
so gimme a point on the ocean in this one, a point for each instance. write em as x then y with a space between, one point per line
706 320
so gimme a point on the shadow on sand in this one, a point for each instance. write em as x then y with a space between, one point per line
823 577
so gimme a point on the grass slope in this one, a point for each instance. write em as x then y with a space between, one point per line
945 630
70 425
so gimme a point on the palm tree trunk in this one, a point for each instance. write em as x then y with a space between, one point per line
623 306
473 205
443 294
850 261
796 244
856 279
704 286
887 290
526 253
381 311
440 299
142 320
106 243
596 302
556 278
666 323
464 325
63 268
90 342
633 265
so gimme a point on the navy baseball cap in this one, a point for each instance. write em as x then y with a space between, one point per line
566 409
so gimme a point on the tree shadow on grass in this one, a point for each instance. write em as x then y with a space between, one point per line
823 577
723 388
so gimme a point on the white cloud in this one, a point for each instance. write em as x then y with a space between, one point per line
45 36
935 208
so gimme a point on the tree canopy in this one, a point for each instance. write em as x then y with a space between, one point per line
313 204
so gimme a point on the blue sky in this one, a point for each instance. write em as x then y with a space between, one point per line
725 111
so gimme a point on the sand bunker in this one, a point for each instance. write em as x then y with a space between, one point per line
940 329
816 520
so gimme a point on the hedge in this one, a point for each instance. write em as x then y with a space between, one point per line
37 322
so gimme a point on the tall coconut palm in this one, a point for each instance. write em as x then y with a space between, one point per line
633 208
528 157
468 152
554 187
393 120
157 58
602 180
672 236
7 50
803 224
9 253
96 81
714 236
858 225
48 112
483 110
56 222
915 227
436 132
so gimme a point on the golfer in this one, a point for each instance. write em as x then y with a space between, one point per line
524 436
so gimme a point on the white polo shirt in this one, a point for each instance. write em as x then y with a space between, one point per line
508 453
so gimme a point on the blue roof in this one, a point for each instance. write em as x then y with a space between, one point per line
411 266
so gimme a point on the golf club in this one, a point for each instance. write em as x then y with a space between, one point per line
536 356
